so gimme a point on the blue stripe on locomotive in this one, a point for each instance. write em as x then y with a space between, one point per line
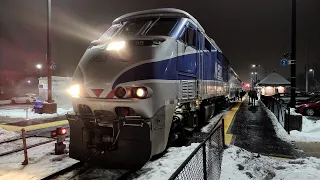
167 70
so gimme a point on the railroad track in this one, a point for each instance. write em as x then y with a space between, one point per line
10 140
79 169
21 148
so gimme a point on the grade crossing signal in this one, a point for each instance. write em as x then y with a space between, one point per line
60 134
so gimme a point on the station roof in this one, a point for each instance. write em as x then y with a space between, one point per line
274 79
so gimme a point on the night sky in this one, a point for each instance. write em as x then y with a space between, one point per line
247 31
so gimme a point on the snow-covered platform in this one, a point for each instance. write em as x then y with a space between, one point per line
255 132
14 118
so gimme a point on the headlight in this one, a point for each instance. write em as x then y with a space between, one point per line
141 92
116 45
74 91
132 92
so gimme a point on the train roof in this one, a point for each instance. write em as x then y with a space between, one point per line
169 12
235 74
162 12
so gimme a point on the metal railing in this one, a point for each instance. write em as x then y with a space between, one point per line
278 109
205 161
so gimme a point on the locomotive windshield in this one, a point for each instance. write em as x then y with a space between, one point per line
145 27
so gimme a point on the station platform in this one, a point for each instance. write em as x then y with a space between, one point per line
254 131
35 124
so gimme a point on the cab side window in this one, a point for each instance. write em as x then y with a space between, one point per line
207 44
189 37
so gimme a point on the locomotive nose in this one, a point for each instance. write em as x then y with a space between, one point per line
100 67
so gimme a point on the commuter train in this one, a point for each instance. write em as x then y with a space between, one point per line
152 78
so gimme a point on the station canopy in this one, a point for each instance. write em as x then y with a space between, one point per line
274 79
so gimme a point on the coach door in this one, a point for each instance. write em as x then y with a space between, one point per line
187 62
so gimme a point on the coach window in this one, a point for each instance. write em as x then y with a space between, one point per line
189 37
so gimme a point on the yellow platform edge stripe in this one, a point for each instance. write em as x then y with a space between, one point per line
228 120
33 127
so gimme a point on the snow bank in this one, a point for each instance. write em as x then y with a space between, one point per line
7 135
5 102
21 113
238 163
280 131
310 128
310 131
212 122
164 167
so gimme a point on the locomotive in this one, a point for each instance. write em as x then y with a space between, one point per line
151 78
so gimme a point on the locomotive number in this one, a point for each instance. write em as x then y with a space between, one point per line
139 43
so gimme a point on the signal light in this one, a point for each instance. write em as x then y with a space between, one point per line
59 131
59 147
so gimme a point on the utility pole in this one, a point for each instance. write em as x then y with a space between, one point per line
293 55
49 63
50 107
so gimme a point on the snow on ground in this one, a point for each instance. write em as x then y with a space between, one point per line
212 122
21 113
7 135
5 102
18 144
164 167
310 128
238 163
42 162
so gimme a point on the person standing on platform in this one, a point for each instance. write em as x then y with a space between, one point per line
237 95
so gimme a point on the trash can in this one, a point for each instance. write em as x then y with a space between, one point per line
38 106
295 122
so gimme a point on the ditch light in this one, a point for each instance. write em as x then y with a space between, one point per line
60 134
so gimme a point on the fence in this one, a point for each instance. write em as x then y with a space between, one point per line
205 161
278 109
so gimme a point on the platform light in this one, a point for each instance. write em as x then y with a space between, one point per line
116 45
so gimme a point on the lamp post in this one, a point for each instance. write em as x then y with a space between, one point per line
39 67
254 79
311 70
256 66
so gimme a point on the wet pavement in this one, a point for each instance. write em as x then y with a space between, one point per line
254 131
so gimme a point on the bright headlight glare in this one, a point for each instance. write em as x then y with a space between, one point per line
74 91
141 92
116 45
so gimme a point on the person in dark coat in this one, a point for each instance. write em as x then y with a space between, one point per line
237 95
242 93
